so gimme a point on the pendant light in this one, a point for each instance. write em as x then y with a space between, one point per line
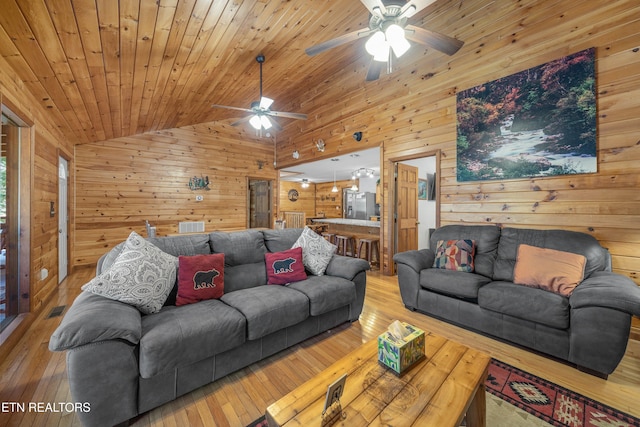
335 187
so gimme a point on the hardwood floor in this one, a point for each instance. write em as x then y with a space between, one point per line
33 374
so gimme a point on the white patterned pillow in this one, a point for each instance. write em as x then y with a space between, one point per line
316 251
142 276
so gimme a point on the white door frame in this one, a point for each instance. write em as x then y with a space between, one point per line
63 218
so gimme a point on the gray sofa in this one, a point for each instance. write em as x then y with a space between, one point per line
123 363
588 329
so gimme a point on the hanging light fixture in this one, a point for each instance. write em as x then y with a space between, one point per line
305 183
392 38
335 187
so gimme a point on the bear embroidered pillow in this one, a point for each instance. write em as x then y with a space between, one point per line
285 267
200 277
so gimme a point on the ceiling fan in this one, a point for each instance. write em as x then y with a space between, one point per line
389 33
260 110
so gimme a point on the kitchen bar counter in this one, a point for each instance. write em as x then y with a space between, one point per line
347 221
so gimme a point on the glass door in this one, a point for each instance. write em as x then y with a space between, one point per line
9 218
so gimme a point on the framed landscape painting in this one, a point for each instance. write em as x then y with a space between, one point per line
539 122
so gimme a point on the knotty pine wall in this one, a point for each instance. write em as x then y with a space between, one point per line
122 182
43 143
412 112
315 201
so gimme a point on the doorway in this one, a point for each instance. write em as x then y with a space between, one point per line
412 211
260 203
63 219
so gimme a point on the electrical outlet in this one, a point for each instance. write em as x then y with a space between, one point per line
199 198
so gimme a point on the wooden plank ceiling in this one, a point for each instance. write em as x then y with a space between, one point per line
111 68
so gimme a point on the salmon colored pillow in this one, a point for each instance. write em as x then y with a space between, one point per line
200 277
554 271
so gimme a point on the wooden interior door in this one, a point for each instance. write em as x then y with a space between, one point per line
259 204
406 207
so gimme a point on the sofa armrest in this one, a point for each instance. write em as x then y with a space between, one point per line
606 289
346 267
93 318
417 260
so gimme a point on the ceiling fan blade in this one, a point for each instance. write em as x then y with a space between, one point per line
232 108
376 7
438 41
338 41
414 6
374 70
241 121
276 125
298 116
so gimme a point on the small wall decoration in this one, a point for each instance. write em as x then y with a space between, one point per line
422 189
293 195
539 122
201 183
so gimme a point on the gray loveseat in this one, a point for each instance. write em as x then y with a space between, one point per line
123 363
589 329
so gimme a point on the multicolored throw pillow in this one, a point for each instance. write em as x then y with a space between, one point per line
200 277
455 255
285 267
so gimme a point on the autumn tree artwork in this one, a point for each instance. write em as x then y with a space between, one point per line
535 123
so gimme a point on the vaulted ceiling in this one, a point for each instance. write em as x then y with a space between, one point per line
110 68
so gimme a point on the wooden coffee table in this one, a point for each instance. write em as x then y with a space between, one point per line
438 391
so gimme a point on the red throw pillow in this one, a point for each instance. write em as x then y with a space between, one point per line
285 267
200 277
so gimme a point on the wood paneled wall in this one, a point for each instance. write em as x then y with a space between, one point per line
330 204
413 111
122 182
42 143
316 200
306 201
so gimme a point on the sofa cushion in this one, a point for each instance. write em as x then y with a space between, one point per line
244 258
560 240
548 269
316 251
200 277
285 267
268 308
455 255
280 240
142 276
523 302
456 283
485 236
179 336
239 247
326 293
190 244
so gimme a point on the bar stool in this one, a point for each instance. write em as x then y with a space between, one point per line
371 246
329 237
346 245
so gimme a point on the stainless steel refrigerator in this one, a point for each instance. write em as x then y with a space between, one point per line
359 205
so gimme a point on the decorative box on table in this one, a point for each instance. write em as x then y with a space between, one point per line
400 354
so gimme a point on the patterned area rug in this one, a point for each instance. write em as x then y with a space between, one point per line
518 399
549 403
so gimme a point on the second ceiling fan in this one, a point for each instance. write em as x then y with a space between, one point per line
261 110
389 33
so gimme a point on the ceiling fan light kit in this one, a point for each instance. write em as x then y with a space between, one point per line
261 111
389 33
